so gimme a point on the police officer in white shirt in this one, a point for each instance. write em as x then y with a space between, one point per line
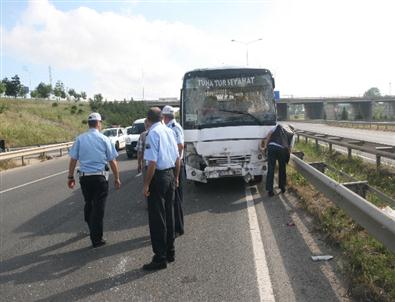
93 150
160 181
168 118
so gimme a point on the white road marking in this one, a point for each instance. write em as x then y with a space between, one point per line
325 267
262 271
32 182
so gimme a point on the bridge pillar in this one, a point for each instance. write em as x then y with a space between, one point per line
329 111
313 111
282 111
389 110
362 111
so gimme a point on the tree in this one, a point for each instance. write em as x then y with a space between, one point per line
23 91
71 92
98 98
77 96
373 92
42 91
13 87
2 87
59 90
83 95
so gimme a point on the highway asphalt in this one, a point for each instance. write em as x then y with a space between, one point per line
46 254
377 136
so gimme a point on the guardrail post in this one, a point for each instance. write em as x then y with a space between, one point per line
378 161
320 166
316 143
359 187
330 147
23 160
306 139
349 152
61 152
298 138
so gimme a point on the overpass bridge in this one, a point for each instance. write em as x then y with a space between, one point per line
161 102
361 108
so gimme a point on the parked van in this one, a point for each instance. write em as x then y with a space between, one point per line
132 135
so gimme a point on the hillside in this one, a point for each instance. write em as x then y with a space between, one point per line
27 122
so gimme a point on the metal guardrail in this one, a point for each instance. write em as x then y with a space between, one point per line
388 126
363 124
33 151
382 126
379 150
375 221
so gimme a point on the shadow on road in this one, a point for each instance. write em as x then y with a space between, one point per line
46 264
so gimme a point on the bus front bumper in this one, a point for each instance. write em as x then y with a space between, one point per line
219 172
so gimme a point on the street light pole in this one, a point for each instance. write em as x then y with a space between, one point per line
246 43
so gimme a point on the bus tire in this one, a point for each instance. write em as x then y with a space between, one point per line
257 179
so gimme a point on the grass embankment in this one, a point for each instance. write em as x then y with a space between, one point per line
368 264
32 122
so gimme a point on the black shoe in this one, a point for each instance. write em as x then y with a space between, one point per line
98 243
170 258
178 234
283 190
270 193
153 266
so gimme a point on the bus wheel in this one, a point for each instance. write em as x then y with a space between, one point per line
257 179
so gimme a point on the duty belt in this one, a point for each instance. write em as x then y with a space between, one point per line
93 173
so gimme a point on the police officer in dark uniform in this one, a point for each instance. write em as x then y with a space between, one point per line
168 118
278 144
159 184
93 150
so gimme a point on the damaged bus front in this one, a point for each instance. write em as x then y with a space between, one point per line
225 114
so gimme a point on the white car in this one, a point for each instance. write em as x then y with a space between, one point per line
132 136
116 136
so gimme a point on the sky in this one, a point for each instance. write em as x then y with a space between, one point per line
142 49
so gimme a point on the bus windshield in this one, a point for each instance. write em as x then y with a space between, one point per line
232 101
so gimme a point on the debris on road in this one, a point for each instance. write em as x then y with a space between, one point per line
321 257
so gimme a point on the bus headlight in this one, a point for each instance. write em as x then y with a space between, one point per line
193 159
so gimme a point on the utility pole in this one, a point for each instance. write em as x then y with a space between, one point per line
50 75
28 72
246 43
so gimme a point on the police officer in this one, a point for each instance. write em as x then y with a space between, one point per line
93 150
278 144
159 184
169 120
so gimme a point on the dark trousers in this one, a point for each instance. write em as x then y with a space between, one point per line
178 200
95 191
161 214
276 153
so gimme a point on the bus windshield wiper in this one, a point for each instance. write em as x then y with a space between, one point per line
243 113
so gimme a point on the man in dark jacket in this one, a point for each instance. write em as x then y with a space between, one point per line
278 144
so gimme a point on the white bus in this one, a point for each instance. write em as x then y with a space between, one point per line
225 114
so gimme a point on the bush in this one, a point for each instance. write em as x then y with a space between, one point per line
55 104
3 108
